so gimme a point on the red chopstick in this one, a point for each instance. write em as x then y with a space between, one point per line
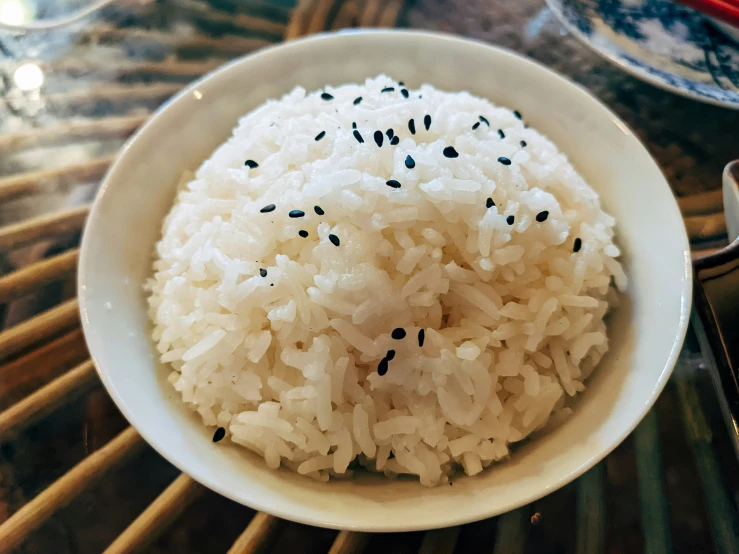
725 10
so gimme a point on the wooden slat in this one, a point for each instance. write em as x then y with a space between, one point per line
257 535
697 254
348 13
39 327
702 203
299 20
228 45
160 514
655 514
349 542
25 184
118 95
720 507
440 541
389 15
67 488
68 133
247 22
55 224
371 13
702 227
61 390
168 69
319 19
32 277
22 376
591 512
511 534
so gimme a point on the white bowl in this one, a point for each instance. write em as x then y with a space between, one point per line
646 332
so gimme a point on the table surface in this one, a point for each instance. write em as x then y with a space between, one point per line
71 96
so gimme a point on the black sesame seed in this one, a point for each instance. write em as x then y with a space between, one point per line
523 144
388 89
378 138
578 244
484 120
268 208
404 92
303 233
489 203
354 124
401 84
251 164
510 219
398 333
357 100
390 356
318 210
501 134
296 213
421 337
394 141
541 217
476 125
412 127
450 152
334 240
382 367
219 434
262 272
410 163
320 135
326 96
517 114
357 136
427 121
504 160
390 134
393 183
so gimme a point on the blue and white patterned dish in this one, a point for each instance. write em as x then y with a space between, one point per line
659 41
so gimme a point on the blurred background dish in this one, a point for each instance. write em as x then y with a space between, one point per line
662 42
723 13
727 28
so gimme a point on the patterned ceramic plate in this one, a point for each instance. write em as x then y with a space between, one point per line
659 41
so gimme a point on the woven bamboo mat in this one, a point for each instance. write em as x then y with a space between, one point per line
75 478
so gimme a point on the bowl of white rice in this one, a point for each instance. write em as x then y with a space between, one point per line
384 280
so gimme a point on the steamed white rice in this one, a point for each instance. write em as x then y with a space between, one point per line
288 363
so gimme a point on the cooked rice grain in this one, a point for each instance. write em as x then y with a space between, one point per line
277 335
